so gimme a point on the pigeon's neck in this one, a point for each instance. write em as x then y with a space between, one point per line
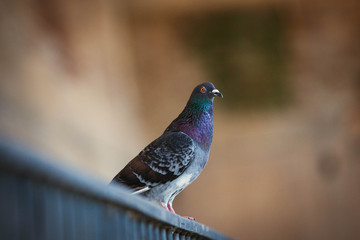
196 120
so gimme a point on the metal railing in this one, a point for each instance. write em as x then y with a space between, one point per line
40 200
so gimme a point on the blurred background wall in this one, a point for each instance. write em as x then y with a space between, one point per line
91 83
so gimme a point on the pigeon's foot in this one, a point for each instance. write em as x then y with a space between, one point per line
164 205
170 208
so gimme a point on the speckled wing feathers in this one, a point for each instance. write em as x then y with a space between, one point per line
161 161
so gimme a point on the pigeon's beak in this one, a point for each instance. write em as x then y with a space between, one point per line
216 93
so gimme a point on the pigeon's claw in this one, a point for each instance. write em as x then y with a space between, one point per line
190 218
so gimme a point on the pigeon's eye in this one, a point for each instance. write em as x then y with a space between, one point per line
203 89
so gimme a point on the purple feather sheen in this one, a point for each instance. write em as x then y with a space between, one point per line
196 120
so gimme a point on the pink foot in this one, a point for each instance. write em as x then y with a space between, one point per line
170 208
190 218
164 205
167 207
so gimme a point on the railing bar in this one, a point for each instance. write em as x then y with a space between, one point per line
28 210
176 236
85 218
8 207
142 229
38 210
156 232
117 225
127 227
170 234
73 205
53 214
134 228
91 216
69 216
150 230
162 233
99 219
80 228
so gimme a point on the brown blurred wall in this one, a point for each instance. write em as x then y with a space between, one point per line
67 82
91 84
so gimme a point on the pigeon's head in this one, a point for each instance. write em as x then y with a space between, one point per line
205 92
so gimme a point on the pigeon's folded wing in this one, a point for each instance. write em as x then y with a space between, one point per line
161 161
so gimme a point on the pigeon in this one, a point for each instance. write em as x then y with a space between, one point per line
175 159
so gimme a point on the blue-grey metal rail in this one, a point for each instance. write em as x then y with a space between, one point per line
40 200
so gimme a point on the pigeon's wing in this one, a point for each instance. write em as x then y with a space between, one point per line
161 161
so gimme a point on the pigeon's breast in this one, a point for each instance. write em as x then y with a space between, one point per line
202 134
